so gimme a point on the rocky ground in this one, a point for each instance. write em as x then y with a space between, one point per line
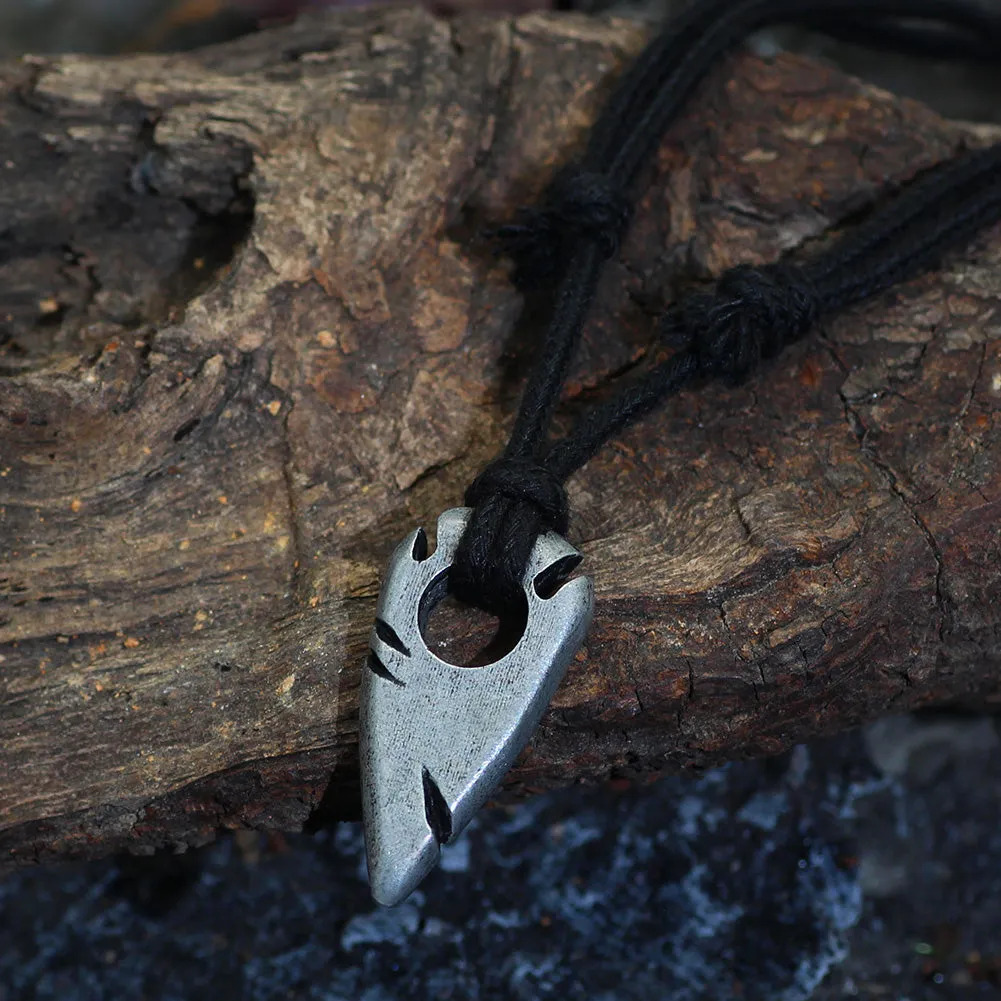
868 866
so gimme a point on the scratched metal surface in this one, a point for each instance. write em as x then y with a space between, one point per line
462 729
863 867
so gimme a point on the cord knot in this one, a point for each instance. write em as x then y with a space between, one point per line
578 204
751 315
523 481
514 500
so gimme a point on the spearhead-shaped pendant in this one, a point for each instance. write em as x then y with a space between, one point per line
437 739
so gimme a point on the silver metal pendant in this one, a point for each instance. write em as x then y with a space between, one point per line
437 739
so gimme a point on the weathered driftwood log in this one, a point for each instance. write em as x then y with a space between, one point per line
250 339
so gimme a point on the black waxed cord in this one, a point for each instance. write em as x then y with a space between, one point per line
751 314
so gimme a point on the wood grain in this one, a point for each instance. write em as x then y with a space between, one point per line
249 338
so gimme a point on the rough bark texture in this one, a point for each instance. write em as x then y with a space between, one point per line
250 339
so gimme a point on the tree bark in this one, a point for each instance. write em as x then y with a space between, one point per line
250 339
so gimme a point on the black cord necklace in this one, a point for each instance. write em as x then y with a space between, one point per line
436 738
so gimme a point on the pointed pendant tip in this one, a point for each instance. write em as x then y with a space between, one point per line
392 881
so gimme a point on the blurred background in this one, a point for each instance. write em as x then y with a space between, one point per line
868 866
958 91
124 25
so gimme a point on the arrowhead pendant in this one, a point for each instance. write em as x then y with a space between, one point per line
437 739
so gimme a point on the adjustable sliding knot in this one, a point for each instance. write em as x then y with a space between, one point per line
579 204
514 500
751 315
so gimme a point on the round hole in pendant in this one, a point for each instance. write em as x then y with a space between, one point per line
464 636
